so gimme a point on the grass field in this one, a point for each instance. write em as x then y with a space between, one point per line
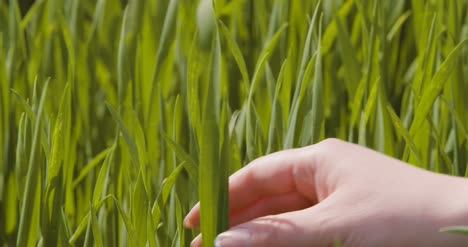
117 116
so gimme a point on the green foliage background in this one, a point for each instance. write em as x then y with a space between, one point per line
117 116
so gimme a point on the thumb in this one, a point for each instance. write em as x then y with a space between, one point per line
299 228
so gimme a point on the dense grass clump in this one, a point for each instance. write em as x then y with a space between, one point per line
116 116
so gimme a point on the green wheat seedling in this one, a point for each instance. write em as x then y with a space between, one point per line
117 116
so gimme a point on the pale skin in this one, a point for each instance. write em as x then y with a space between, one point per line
337 191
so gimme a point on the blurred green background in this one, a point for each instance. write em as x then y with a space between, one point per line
116 117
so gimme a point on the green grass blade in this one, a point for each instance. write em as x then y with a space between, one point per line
209 157
294 117
463 230
126 135
274 135
349 57
163 48
188 162
398 125
435 88
318 113
91 165
97 235
24 231
236 52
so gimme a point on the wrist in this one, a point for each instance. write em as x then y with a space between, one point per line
456 204
451 204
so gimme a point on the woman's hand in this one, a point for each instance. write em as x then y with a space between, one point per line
339 192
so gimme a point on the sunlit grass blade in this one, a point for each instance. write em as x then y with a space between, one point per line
276 123
435 87
163 48
236 52
251 124
348 55
331 31
398 125
290 138
4 113
126 135
139 209
82 226
210 166
54 189
127 222
25 233
97 235
456 230
188 162
91 165
318 115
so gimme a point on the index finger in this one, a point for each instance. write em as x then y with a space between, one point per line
272 175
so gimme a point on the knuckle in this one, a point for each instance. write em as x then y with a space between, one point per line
267 231
330 142
322 148
328 146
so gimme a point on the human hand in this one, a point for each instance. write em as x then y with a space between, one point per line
337 191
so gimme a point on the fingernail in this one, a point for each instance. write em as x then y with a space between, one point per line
192 243
196 241
188 223
233 238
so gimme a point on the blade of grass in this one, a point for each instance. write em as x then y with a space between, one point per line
251 124
188 162
274 134
435 88
463 230
318 112
24 231
210 166
398 125
163 48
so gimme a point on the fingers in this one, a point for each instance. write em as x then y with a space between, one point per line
310 227
271 206
269 176
298 228
267 206
197 241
